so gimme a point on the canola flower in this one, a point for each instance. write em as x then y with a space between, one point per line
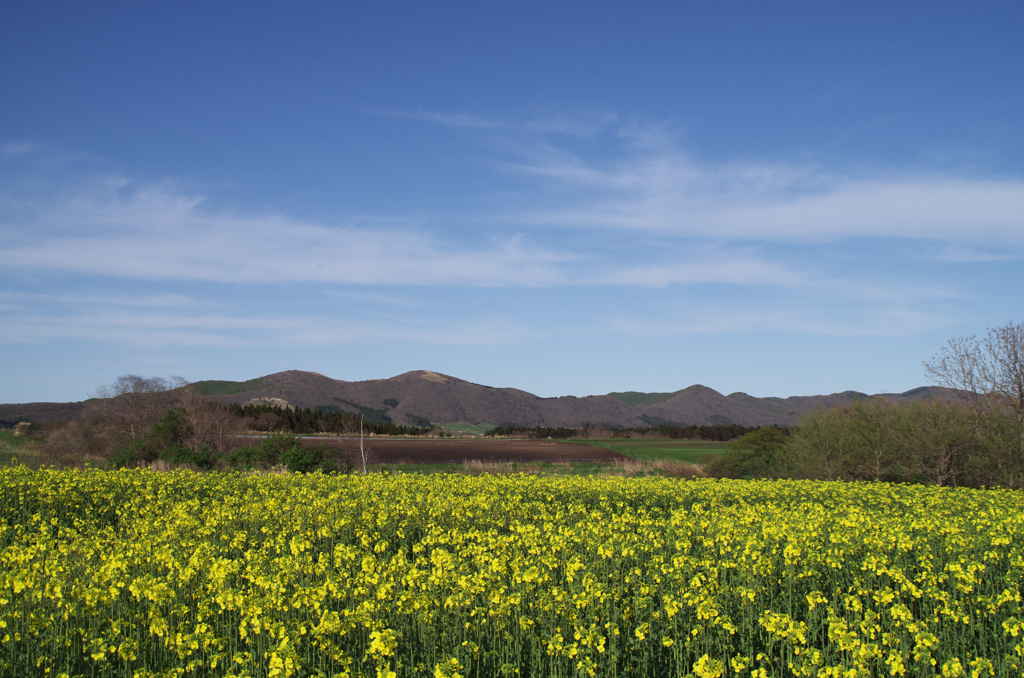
144 574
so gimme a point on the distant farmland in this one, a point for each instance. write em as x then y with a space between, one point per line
688 451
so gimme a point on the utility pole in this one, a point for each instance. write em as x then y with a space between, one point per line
362 452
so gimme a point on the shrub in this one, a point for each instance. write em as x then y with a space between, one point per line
301 458
203 459
758 454
290 452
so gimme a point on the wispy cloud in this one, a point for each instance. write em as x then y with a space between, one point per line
649 184
575 125
976 254
154 232
744 270
26 299
639 215
885 321
114 228
935 209
155 329
669 193
376 299
14 149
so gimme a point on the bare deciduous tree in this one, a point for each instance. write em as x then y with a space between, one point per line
212 425
936 438
873 421
988 372
266 421
73 443
132 403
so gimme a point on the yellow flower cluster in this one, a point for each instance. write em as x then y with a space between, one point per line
143 574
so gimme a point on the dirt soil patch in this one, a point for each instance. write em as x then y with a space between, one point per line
400 450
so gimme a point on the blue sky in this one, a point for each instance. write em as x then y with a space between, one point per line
568 198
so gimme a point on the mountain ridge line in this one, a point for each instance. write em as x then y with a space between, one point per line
419 396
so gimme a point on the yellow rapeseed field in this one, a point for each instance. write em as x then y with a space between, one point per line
137 573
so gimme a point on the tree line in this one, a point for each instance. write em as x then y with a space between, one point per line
973 437
715 432
520 431
301 421
144 420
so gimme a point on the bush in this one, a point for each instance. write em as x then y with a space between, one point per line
937 442
172 429
128 453
290 452
759 454
72 443
203 459
301 458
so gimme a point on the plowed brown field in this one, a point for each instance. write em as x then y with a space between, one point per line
401 450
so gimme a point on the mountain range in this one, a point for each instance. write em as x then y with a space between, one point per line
422 397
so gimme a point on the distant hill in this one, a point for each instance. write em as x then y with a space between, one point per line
413 397
422 396
11 414
416 397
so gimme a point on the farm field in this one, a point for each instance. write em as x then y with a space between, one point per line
688 451
14 447
138 573
455 451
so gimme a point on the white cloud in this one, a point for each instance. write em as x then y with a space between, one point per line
584 124
154 232
651 217
963 254
668 193
941 209
155 329
730 270
647 184
885 321
376 299
26 299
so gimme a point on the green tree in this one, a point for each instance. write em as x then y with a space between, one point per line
758 454
875 453
937 438
826 445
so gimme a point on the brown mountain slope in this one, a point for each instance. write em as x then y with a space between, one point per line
423 395
12 413
701 405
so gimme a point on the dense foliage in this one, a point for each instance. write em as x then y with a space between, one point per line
716 432
519 431
937 442
136 573
292 454
321 420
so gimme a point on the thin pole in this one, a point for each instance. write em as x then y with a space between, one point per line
362 453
